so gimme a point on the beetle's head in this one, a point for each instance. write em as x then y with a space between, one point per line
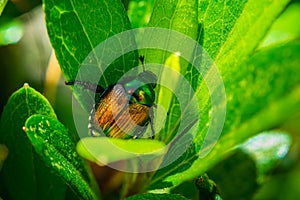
148 77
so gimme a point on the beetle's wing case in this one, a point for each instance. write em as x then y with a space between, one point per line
118 118
112 102
131 122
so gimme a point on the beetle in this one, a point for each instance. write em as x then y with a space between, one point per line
124 108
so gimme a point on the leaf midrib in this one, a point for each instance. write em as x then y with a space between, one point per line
88 38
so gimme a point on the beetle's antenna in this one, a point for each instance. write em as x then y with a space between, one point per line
142 59
86 85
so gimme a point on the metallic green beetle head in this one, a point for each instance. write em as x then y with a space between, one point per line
141 90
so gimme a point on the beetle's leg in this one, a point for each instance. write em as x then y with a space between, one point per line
151 115
92 129
90 125
140 132
87 85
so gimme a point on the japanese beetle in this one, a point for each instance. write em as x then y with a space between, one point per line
124 108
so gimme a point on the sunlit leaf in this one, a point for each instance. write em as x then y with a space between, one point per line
260 106
51 141
23 169
285 28
104 150
76 28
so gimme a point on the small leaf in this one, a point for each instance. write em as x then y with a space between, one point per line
24 175
51 141
156 197
103 150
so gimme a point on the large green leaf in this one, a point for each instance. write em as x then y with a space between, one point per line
179 17
243 24
262 91
215 47
24 175
75 28
251 25
51 141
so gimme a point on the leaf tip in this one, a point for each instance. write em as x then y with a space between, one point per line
26 85
24 128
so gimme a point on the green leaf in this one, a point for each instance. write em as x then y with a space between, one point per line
247 33
179 165
260 106
285 28
191 28
179 16
51 141
2 5
24 175
218 19
156 197
139 12
96 149
76 28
